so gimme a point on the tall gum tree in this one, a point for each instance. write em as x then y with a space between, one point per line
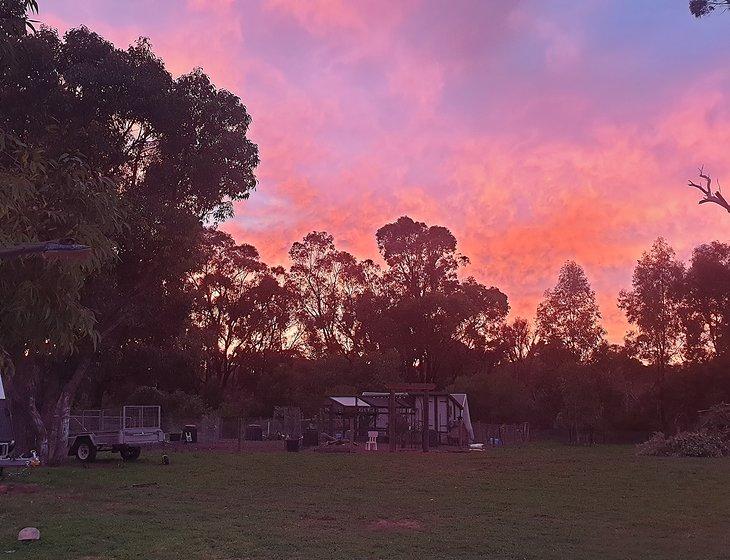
175 148
328 282
241 309
654 306
569 315
424 311
707 296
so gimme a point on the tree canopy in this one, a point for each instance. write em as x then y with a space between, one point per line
654 306
701 8
134 162
569 315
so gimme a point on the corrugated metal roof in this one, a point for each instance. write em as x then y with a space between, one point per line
382 400
350 401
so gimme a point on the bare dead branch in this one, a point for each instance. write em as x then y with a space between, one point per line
709 196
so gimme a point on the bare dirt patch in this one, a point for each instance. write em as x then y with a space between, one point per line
18 489
317 521
344 448
396 525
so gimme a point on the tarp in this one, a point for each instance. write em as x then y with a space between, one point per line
6 427
464 402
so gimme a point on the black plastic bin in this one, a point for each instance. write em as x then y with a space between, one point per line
311 437
292 445
190 433
254 432
433 438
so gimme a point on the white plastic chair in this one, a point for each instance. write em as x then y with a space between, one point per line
372 443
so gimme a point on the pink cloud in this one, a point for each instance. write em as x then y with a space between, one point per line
535 134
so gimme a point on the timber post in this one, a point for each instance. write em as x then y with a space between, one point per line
392 443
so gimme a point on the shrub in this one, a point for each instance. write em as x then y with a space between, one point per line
175 405
687 444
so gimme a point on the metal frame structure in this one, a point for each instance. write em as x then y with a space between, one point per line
425 411
126 432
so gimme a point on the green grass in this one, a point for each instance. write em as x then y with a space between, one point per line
538 501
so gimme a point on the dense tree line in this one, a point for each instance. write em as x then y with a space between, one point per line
330 323
273 335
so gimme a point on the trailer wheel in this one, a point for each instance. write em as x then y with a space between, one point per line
130 453
86 451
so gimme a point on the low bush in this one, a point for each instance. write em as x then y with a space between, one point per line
687 444
175 405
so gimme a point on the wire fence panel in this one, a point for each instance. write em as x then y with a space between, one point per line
141 417
95 421
502 434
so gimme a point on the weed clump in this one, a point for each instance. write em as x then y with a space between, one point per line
702 443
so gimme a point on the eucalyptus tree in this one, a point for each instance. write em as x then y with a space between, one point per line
654 306
176 152
242 308
328 283
438 324
569 315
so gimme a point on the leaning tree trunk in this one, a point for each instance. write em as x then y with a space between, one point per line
51 435
26 381
59 422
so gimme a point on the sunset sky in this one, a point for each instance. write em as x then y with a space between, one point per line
537 131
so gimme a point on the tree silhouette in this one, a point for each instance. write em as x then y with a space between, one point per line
708 195
328 282
519 338
436 323
177 153
654 305
569 315
700 8
233 317
707 295
420 258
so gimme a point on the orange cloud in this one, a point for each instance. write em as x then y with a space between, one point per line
536 134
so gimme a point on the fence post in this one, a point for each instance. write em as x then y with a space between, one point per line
391 422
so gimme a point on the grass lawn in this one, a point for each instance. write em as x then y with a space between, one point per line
539 501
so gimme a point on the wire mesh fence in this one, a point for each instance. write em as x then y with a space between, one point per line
502 434
142 416
286 422
95 421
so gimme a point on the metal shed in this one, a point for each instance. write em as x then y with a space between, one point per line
345 415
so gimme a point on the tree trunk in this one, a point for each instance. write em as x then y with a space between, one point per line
25 380
39 427
26 375
59 428
661 405
51 436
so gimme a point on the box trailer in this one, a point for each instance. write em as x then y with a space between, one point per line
123 431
